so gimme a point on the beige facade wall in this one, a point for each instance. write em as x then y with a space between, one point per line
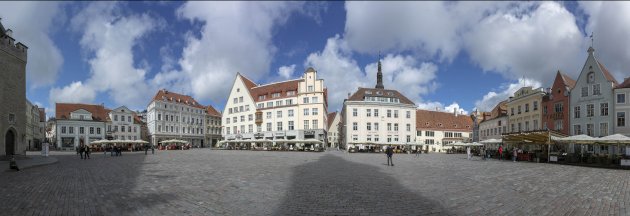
524 109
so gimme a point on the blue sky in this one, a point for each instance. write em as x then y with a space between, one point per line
453 55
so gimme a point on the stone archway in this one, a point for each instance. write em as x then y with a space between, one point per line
9 142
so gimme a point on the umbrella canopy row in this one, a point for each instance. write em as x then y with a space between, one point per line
173 141
464 144
118 141
585 139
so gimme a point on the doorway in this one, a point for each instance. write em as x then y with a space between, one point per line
9 142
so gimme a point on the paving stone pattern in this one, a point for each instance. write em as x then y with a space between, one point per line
214 182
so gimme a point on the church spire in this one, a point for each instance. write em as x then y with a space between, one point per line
379 75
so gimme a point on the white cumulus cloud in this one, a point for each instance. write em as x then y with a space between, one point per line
492 98
286 71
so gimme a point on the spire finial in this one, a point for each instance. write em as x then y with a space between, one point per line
379 74
592 39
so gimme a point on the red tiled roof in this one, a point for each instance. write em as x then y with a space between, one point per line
177 98
624 84
63 110
359 95
331 118
607 74
42 114
137 119
567 80
435 120
280 87
213 112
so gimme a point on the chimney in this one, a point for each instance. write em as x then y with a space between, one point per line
348 95
455 111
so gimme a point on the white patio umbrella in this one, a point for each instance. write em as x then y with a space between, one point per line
492 141
614 139
581 139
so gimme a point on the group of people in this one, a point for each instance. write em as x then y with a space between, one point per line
84 151
117 150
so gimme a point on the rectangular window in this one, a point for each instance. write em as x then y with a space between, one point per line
159 128
235 100
98 130
306 111
408 138
315 124
395 113
585 91
576 112
369 138
355 112
250 117
355 137
376 126
159 117
408 114
389 126
279 125
227 120
589 129
291 127
512 111
429 133
268 115
129 118
246 107
305 100
519 127
535 105
269 104
115 117
519 109
558 124
369 126
290 114
603 129
590 110
355 126
527 126
389 113
315 111
603 109
63 129
526 107
621 119
596 90
315 99
408 127
557 107
227 130
375 112
621 98
368 112
535 124
91 130
242 119
389 138
376 138
310 88
305 124
279 114
278 103
268 126
418 133
81 130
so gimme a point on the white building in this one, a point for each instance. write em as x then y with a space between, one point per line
213 127
494 124
123 124
79 124
333 129
373 117
175 116
622 107
592 99
291 113
435 129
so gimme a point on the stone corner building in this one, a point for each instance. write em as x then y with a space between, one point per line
175 116
13 58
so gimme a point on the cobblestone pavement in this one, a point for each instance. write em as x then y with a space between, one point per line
212 182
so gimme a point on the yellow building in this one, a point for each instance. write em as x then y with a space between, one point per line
524 111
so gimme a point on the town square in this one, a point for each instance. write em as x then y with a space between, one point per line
314 108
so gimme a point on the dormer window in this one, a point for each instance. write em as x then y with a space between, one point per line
379 93
368 92
390 93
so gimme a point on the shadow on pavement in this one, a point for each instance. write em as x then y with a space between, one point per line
102 185
334 186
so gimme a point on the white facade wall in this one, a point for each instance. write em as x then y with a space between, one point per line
333 132
240 106
403 135
122 124
493 128
621 100
173 120
436 139
77 129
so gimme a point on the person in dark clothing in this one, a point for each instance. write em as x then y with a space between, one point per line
152 149
146 149
389 151
87 152
81 150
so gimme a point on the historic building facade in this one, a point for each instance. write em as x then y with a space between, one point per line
34 131
592 98
494 123
285 113
334 119
13 58
373 117
77 124
175 116
435 129
123 124
555 104
524 110
621 102
213 127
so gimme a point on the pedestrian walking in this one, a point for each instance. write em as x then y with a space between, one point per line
468 152
81 150
500 152
417 152
104 150
152 149
515 153
389 151
483 153
146 149
87 152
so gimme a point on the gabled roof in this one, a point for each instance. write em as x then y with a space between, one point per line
624 84
279 87
443 121
42 114
176 98
360 94
331 118
212 112
63 110
567 80
607 74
